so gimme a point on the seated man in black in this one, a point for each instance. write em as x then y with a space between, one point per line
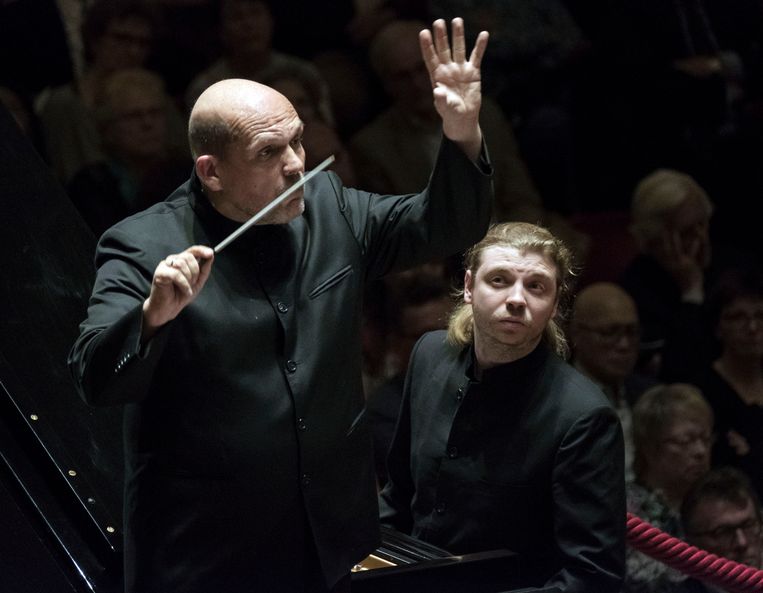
502 444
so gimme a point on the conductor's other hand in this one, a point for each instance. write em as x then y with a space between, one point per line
455 82
177 281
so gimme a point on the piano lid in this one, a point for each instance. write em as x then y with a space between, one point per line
62 455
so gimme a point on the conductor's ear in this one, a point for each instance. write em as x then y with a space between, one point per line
207 170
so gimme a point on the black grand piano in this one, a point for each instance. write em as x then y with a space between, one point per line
61 460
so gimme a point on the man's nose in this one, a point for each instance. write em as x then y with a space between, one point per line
623 341
700 447
516 294
740 538
294 164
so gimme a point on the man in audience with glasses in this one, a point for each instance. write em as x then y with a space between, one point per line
604 332
722 514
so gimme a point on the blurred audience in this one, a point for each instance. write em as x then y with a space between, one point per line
684 69
139 166
722 514
672 434
733 382
416 301
670 222
35 44
246 36
186 41
532 70
116 34
395 151
604 332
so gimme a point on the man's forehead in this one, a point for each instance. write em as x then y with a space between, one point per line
278 132
503 257
715 512
609 312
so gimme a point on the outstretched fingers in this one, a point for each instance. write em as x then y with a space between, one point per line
441 43
436 48
459 42
428 53
479 49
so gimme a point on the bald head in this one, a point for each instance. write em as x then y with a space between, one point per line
218 116
604 332
603 300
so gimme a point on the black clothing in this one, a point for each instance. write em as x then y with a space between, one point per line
529 458
672 329
383 407
104 193
243 418
732 413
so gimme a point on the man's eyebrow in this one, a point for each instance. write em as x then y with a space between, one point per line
502 269
266 138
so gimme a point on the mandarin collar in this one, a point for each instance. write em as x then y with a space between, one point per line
510 371
217 226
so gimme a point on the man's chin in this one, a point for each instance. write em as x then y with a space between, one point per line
295 207
286 212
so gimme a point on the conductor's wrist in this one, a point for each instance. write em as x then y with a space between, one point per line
470 144
151 322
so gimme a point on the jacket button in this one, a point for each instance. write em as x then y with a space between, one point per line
440 508
460 394
291 366
305 480
282 307
301 424
452 452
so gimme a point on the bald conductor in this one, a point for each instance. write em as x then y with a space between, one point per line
248 459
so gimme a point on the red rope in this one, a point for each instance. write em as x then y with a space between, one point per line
727 574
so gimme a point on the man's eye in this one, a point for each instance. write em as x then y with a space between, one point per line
296 142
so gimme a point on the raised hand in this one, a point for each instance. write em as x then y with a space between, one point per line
456 82
177 281
684 257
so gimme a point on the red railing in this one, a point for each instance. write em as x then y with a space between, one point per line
727 574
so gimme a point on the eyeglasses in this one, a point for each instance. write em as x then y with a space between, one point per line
740 319
725 535
685 441
612 334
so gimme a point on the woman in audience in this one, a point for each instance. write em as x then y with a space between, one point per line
733 384
673 435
